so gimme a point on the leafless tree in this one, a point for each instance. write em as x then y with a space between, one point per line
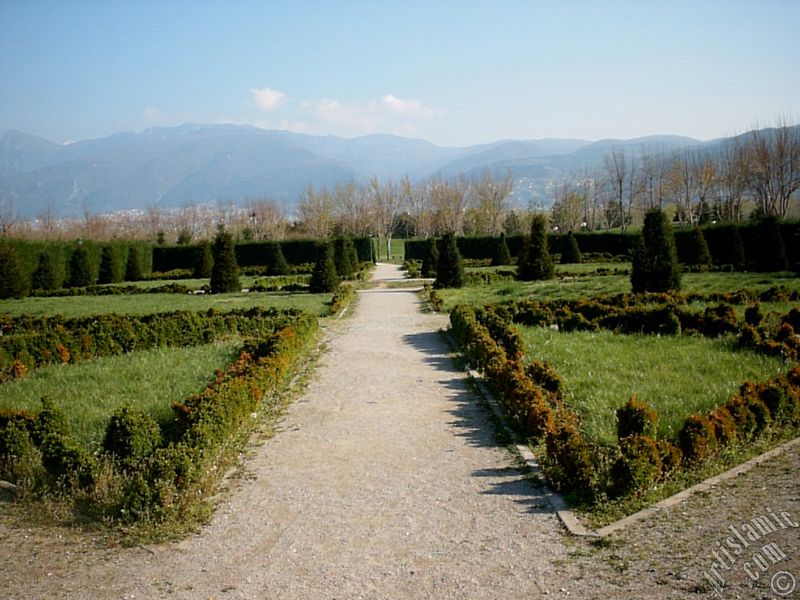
385 204
491 196
316 213
449 203
774 167
8 215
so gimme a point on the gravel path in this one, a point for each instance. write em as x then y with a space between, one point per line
385 482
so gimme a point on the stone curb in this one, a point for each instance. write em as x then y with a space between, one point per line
570 519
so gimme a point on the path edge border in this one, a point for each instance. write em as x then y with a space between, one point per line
568 517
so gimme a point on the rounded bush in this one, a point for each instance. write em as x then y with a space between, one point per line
131 435
637 467
636 418
696 439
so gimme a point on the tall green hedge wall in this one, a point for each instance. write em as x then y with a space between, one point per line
619 244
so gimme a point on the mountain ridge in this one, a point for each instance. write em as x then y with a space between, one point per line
197 163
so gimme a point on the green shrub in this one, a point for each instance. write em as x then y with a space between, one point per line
696 439
44 277
131 436
637 467
225 273
571 253
754 315
502 256
697 249
636 418
769 250
655 263
20 461
276 261
133 266
724 425
569 465
204 265
67 462
342 254
50 421
12 284
107 272
450 266
324 279
545 376
671 458
80 271
430 258
535 263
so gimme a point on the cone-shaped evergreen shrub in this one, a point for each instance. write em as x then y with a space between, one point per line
535 263
131 435
80 272
225 273
354 262
655 261
276 261
44 277
571 253
697 249
133 267
205 261
12 284
342 256
770 251
107 274
430 259
502 256
324 278
450 267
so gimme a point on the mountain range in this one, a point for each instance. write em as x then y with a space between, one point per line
173 166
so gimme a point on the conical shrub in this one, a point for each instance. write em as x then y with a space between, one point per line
225 273
655 261
536 263
450 268
324 278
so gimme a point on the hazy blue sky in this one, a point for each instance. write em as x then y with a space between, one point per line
453 72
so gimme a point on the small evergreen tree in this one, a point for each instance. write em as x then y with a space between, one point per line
502 256
655 260
133 266
354 262
770 250
324 278
12 284
107 269
571 253
450 267
697 252
205 261
536 263
44 277
225 273
430 259
80 272
341 257
276 261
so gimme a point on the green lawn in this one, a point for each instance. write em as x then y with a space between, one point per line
143 304
89 392
567 287
675 375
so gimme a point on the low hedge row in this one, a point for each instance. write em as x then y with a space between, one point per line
142 473
36 341
532 397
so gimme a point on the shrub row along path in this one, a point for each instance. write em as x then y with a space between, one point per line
386 481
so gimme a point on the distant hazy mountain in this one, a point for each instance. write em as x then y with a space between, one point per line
173 166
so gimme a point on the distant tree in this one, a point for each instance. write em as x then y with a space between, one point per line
450 267
431 258
44 277
535 263
655 262
107 268
205 261
12 284
571 253
80 271
225 273
324 278
276 261
502 256
697 252
133 266
184 237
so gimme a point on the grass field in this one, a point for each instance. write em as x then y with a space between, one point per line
675 375
143 304
566 287
89 392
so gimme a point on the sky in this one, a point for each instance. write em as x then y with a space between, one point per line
455 73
